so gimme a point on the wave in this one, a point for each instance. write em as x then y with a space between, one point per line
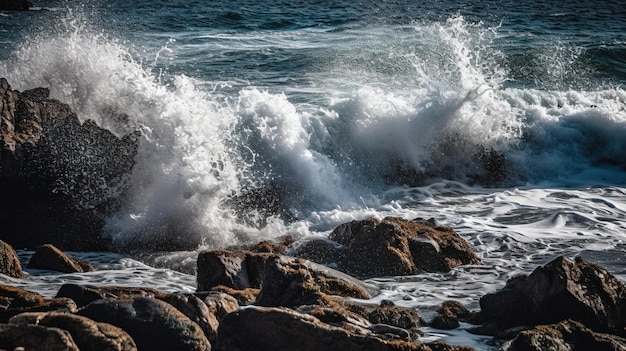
434 104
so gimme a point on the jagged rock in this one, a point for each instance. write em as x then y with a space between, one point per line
242 270
86 333
57 173
279 328
83 295
395 246
35 337
152 323
9 262
557 291
195 309
51 258
565 336
450 313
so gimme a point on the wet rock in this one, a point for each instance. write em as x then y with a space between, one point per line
319 250
86 333
15 5
219 303
242 270
15 301
51 258
244 297
277 328
395 246
565 336
9 262
450 313
390 314
83 295
57 172
34 337
152 323
558 291
195 309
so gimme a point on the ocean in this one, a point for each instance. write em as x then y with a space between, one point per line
505 120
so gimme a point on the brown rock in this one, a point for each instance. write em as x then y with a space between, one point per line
395 246
277 329
220 303
86 333
35 337
195 309
565 336
152 323
244 297
319 250
51 258
9 262
449 315
242 270
557 291
83 295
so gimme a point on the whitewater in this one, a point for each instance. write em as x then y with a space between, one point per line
509 127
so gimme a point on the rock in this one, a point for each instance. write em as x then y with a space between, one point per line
57 172
86 333
395 246
152 323
15 5
279 328
449 315
219 303
560 290
51 258
195 309
35 337
15 301
9 262
244 297
390 314
565 336
318 250
83 295
242 270
276 247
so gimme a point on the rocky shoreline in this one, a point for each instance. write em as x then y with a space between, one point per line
273 295
260 299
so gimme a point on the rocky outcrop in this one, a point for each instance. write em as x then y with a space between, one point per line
15 5
242 270
560 290
86 333
9 262
34 337
51 258
152 323
565 336
279 328
60 177
395 246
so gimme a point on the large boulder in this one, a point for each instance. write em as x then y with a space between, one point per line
9 262
395 246
560 290
51 258
86 333
35 337
279 328
152 323
243 270
57 172
564 336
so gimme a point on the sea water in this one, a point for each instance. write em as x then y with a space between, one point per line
347 110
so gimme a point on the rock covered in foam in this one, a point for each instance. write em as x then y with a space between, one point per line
60 177
9 262
557 291
395 246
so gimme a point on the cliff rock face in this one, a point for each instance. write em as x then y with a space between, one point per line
59 177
